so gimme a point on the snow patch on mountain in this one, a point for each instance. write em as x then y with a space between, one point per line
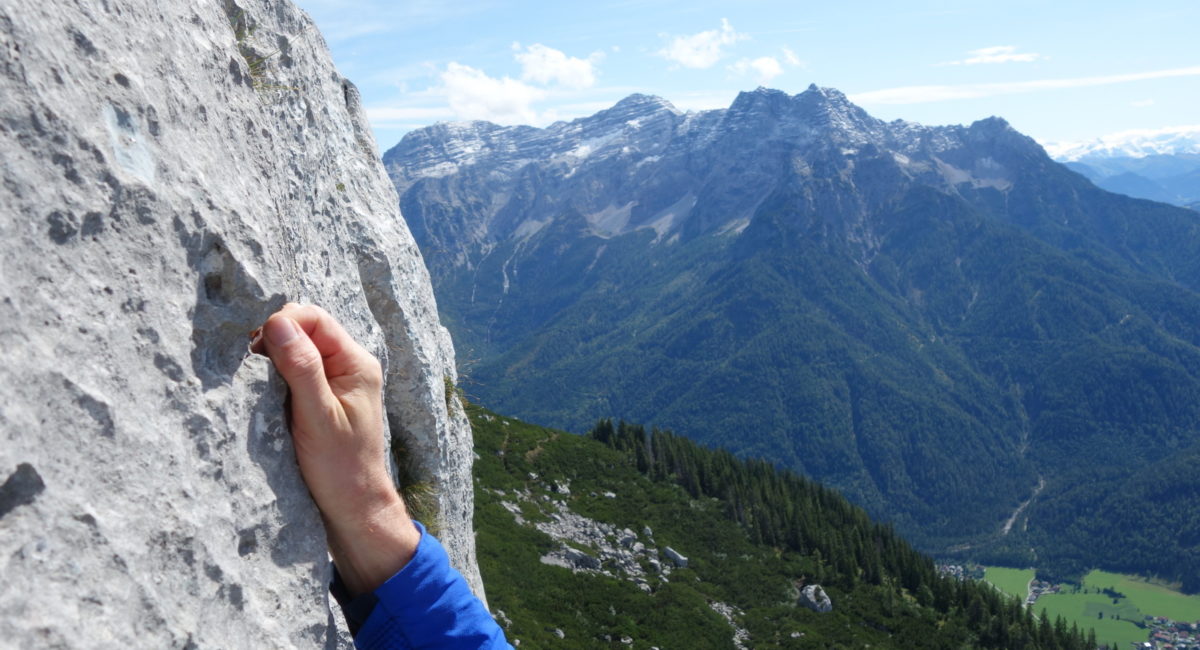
1136 143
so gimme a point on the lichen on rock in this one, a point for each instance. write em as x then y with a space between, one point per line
169 180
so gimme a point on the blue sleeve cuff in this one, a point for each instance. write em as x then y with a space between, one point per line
427 604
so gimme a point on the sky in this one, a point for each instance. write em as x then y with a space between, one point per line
1060 71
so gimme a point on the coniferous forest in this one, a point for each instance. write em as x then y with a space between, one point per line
754 537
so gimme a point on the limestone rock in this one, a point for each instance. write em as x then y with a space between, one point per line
174 172
815 598
676 557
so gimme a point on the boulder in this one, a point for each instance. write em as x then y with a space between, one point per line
173 173
580 559
675 557
815 598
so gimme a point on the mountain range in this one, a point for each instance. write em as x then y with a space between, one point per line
966 337
1161 166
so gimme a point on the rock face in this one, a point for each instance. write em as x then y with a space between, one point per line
173 173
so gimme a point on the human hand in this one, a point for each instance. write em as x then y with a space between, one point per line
337 430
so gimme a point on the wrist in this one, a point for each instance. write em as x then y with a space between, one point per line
372 545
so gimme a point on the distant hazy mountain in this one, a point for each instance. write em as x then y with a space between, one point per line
932 319
1161 166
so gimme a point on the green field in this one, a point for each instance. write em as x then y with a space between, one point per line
1150 598
1014 582
1084 606
1084 609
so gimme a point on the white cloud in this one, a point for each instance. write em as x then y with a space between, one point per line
996 54
1142 103
926 94
790 57
701 50
764 68
472 95
546 65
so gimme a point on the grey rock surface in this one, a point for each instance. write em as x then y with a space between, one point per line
675 557
172 173
815 598
467 188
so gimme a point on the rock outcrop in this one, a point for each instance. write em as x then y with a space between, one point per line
174 172
815 598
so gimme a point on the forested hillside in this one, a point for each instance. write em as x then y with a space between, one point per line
574 532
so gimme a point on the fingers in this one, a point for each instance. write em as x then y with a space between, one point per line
299 361
340 353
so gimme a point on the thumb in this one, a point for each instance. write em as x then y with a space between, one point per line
299 362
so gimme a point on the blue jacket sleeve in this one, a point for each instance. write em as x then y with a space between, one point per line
426 605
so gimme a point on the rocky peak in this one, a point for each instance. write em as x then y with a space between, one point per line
639 104
758 100
631 114
815 114
997 136
830 108
642 163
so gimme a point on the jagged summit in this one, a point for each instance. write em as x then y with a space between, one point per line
640 102
701 168
649 135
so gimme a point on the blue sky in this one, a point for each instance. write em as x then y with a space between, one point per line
1060 71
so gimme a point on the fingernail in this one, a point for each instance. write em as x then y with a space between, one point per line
256 342
281 330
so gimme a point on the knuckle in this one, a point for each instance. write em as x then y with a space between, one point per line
305 361
373 370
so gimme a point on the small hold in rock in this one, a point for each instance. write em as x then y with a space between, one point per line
21 488
247 542
93 224
236 597
82 42
213 288
62 226
168 367
121 79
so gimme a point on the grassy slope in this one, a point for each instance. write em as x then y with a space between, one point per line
725 566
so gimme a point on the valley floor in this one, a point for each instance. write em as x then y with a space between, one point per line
1124 610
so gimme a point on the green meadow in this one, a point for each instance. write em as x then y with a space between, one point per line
1113 619
1014 582
1150 598
1085 608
